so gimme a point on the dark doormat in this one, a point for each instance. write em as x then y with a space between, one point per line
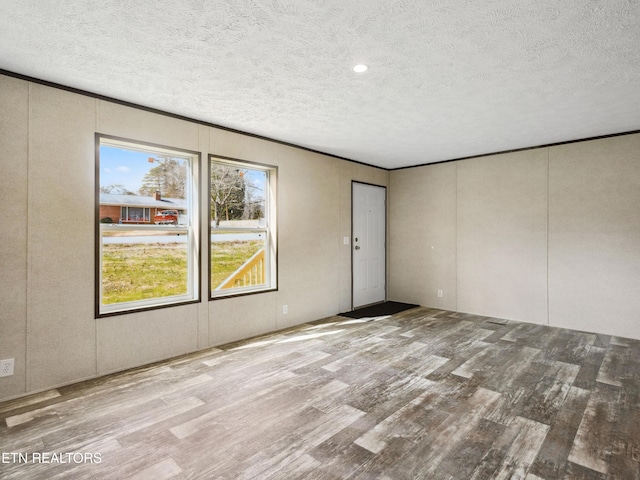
378 310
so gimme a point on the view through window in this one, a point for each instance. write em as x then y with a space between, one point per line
147 211
242 234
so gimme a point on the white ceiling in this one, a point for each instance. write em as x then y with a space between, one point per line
447 78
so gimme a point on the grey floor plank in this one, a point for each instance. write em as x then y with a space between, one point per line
425 393
593 441
551 461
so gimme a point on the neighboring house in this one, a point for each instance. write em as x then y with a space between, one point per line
135 208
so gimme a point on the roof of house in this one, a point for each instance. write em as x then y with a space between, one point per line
141 201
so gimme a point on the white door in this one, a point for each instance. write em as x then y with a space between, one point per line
368 244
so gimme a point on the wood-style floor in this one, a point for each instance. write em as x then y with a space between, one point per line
421 394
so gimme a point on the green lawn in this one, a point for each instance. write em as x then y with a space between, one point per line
139 272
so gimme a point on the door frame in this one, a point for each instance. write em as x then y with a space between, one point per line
386 235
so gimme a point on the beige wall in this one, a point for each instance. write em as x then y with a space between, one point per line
61 338
594 236
14 142
549 235
422 231
502 236
47 241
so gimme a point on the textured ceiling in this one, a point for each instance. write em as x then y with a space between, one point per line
447 78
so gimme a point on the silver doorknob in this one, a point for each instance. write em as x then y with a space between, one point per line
357 247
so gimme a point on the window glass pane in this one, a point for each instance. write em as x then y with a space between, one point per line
242 238
238 196
147 245
142 187
238 259
142 265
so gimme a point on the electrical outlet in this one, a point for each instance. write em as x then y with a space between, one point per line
439 293
285 309
6 367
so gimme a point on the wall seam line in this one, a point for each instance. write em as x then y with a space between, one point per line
27 354
456 236
548 198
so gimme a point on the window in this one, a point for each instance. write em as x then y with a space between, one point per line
146 227
135 214
242 216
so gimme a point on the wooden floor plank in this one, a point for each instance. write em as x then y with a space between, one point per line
608 372
403 422
163 470
551 461
593 441
462 461
424 394
423 460
550 392
524 449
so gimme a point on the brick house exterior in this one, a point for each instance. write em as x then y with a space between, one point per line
136 209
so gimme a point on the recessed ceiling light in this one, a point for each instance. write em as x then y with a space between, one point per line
360 68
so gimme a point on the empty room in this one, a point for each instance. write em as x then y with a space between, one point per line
320 239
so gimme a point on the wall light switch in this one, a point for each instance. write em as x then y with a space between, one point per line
346 240
285 309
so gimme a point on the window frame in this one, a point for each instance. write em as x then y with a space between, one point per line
192 229
270 228
146 213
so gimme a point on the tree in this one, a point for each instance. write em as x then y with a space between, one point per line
168 177
228 186
254 198
116 189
